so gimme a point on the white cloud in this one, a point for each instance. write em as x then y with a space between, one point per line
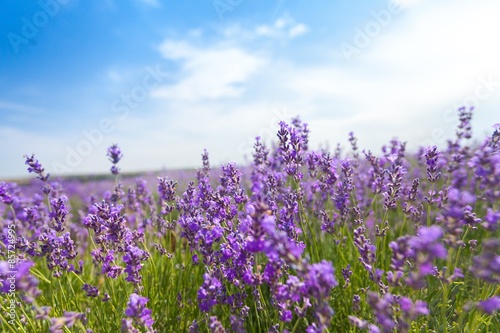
283 28
208 73
297 30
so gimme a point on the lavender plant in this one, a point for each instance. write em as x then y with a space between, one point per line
298 241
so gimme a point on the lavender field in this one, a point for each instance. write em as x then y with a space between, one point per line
300 240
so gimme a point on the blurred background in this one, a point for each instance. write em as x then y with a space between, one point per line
166 79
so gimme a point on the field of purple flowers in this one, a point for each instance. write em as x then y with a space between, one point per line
298 241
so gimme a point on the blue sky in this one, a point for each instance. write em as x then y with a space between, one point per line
167 79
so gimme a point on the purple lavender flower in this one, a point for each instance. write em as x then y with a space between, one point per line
133 258
43 312
393 186
69 319
59 212
320 279
16 277
114 154
291 149
318 284
237 324
344 189
383 308
36 167
209 293
469 218
487 265
490 305
363 324
464 128
90 290
58 250
5 196
354 143
400 252
425 248
431 157
412 310
215 325
166 188
366 250
491 220
138 314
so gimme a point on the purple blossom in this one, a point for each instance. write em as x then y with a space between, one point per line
487 265
292 146
59 212
138 314
366 250
363 324
491 220
17 278
319 280
431 157
215 325
412 310
344 189
425 249
5 196
114 154
383 309
90 290
166 188
464 127
35 167
58 250
69 319
133 258
490 305
209 293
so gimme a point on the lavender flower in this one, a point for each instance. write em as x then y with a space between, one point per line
318 284
425 248
5 196
90 290
69 319
431 157
395 175
138 315
215 325
464 128
363 324
491 220
36 167
319 280
366 250
16 277
133 258
487 265
490 305
59 212
166 189
210 292
383 309
114 154
412 310
291 148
